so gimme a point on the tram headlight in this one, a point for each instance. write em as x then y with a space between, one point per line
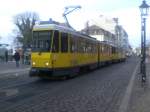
47 63
33 63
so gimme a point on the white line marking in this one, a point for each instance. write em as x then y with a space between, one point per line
124 104
9 92
14 72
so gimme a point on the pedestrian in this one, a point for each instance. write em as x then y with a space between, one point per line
6 56
17 58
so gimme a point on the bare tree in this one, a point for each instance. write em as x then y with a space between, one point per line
25 22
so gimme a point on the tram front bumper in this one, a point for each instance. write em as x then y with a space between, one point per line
40 72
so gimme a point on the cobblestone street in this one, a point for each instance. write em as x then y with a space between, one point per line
101 90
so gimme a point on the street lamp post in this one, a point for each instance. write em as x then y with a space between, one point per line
144 7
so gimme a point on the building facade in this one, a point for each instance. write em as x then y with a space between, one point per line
107 29
99 33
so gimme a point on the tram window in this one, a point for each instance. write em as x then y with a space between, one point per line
55 47
110 50
64 42
80 45
40 44
73 45
89 48
35 35
94 47
113 50
47 44
117 50
34 44
41 41
102 48
84 46
106 49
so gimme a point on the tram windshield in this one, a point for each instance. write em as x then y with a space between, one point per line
41 41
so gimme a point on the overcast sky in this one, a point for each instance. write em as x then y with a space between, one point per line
126 10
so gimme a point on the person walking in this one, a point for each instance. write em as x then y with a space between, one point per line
17 58
6 56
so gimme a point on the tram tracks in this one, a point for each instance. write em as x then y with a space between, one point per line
32 91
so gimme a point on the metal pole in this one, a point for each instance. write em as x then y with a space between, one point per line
141 56
143 65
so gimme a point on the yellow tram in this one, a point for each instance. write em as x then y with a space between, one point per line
61 51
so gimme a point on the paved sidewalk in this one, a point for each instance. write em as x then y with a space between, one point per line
140 98
10 67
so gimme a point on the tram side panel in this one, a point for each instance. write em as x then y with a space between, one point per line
85 52
105 54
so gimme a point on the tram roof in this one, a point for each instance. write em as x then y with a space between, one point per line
108 43
42 27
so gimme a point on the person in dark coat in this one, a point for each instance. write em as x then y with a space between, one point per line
17 58
6 56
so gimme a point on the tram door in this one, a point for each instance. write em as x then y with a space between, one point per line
55 49
60 55
73 51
